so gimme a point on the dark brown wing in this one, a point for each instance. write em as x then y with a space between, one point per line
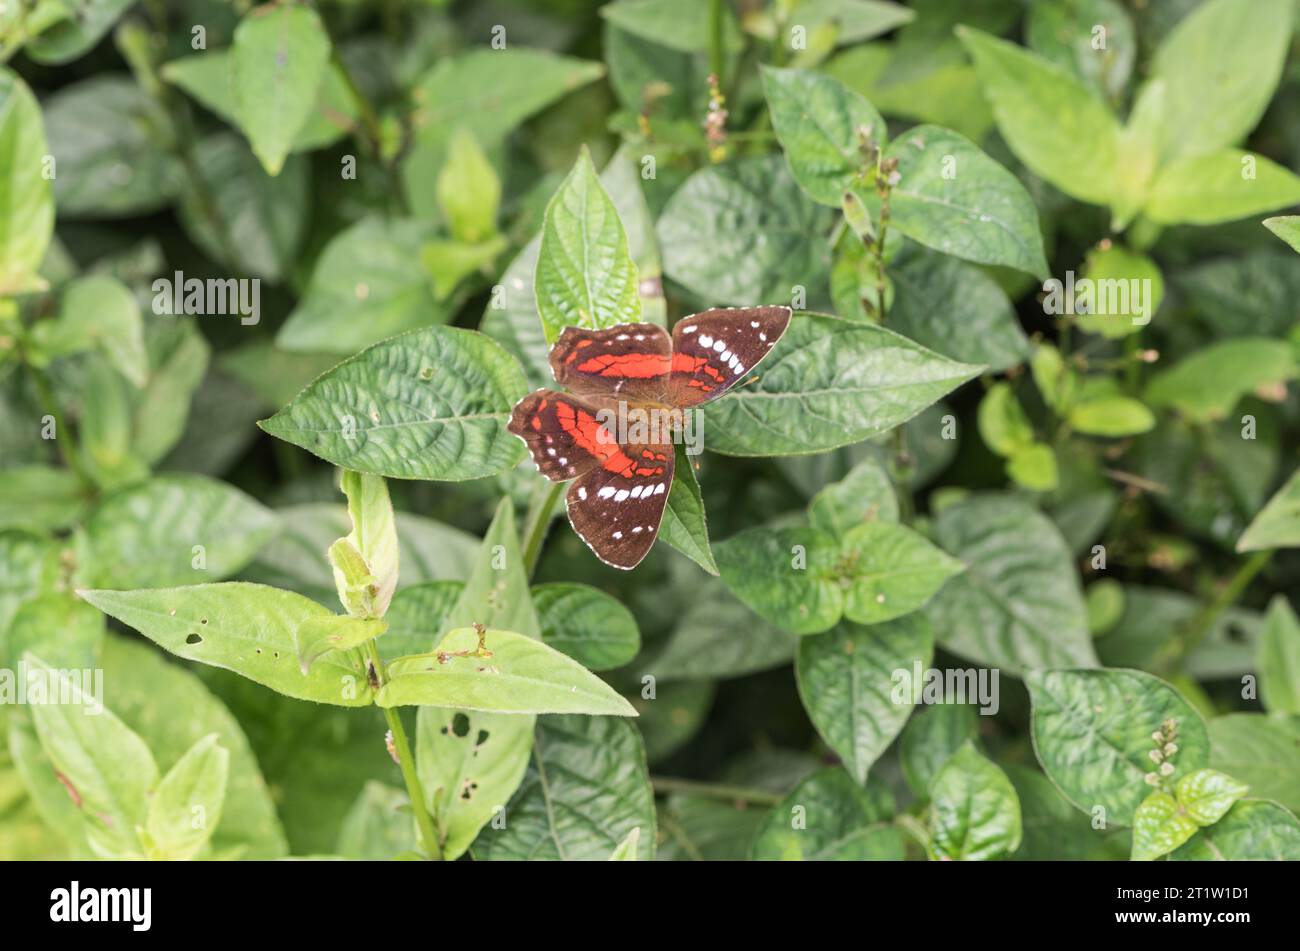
712 350
629 361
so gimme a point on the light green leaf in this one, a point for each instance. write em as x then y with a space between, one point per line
320 635
248 628
99 312
1002 422
469 191
1112 416
430 404
1260 751
1253 829
823 126
178 360
1033 467
40 498
865 494
171 530
1111 714
379 826
1207 385
74 35
1018 605
681 25
373 536
684 526
587 624
1286 227
1045 113
830 383
1067 34
368 285
830 817
1160 825
26 195
278 62
888 570
186 807
1207 794
56 627
586 789
847 680
1277 524
974 812
931 736
1220 186
626 851
1111 303
1278 658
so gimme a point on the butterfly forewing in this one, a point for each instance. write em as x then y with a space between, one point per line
627 362
564 434
713 349
617 511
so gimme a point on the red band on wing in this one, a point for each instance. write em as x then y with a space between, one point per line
632 365
589 434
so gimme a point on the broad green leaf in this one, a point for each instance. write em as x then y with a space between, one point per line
178 360
1286 227
379 826
430 404
186 807
829 817
829 383
1112 416
824 128
1045 114
865 494
1138 154
1220 186
681 25
373 535
1053 829
73 35
974 812
1056 382
1220 65
1160 825
585 274
1261 751
626 851
1069 34
930 737
40 497
716 636
673 716
1033 467
26 195
368 285
889 570
1207 385
417 612
278 62
848 681
488 93
248 628
469 190
496 591
586 788
101 760
952 197
955 309
587 624
519 675
29 565
56 627
684 526
1123 292
319 636
1207 794
171 530
1253 829
1278 658
98 312
1002 422
789 576
1093 731
1018 605
113 147
1277 524
745 233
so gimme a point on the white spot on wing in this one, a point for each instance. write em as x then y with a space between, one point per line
621 495
605 491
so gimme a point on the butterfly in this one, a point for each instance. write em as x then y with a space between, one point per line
623 374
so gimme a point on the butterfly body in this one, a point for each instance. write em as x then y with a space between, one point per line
628 394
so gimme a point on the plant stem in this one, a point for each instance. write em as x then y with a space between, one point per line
1201 624
369 118
717 58
536 522
758 797
915 828
406 762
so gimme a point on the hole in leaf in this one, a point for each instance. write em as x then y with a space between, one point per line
460 725
481 738
193 639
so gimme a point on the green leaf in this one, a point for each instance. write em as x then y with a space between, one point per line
1207 794
1210 106
26 196
379 825
1106 603
1033 467
1045 113
178 360
587 624
626 851
1002 422
681 25
1160 825
1112 416
186 807
1253 829
278 62
975 812
716 636
952 197
790 576
848 680
1208 384
74 35
373 536
417 611
586 789
822 124
29 565
889 570
469 191
1277 524
56 627
1278 658
519 675
112 144
744 233
1112 714
1067 35
1018 605
430 404
1286 227
931 736
829 817
684 526
41 497
1220 186
585 274
248 628
1261 751
368 285
321 635
98 312
100 758
865 494
171 530
830 383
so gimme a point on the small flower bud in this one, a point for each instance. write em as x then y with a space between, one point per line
1171 749
1166 769
1152 779
1156 756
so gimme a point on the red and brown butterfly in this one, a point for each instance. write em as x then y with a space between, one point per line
619 490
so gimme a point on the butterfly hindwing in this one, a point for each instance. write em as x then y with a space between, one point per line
713 349
617 510
563 433
629 361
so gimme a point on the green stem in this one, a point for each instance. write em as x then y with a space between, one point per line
537 521
406 762
915 828
717 57
369 117
1202 623
691 787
